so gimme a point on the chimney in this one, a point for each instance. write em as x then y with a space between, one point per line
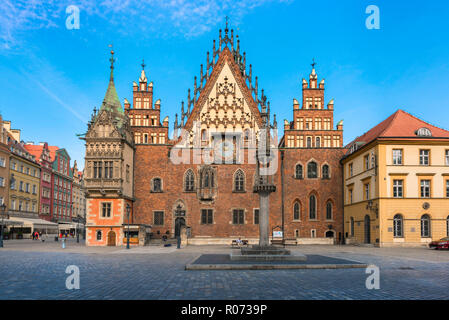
330 105
286 125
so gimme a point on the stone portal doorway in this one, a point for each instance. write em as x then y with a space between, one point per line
111 238
367 229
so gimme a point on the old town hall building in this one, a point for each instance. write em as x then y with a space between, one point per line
201 178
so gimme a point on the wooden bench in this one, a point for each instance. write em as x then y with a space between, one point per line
235 244
291 241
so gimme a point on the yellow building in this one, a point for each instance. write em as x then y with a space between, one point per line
24 188
396 183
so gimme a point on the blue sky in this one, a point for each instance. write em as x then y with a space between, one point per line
52 77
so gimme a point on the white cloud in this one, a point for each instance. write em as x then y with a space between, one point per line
175 17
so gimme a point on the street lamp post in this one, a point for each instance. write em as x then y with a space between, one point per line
77 229
128 209
3 207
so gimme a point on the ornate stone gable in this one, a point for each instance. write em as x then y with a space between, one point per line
231 95
226 108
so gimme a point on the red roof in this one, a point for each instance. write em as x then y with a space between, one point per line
400 125
36 150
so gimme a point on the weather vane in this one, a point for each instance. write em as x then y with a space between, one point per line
143 64
227 20
313 63
112 60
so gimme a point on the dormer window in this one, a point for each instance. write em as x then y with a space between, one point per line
423 132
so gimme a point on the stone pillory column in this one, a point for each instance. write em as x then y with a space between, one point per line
263 219
264 186
264 176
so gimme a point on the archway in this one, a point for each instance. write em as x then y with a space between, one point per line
111 239
329 234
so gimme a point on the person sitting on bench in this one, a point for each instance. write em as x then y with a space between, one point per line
239 242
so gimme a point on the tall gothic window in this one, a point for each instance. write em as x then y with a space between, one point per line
425 226
296 211
312 207
312 171
189 181
398 226
325 173
329 210
207 178
298 171
239 181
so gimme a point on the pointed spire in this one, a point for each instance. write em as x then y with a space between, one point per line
111 101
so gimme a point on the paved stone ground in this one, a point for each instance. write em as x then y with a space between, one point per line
35 270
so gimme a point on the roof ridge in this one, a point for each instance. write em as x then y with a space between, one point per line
415 117
393 117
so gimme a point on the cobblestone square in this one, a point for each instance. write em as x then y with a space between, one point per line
36 270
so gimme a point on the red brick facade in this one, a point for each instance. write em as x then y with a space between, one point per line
216 200
152 162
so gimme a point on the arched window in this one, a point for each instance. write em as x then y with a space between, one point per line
325 174
425 226
99 235
204 135
189 181
312 207
298 171
296 211
239 181
352 226
156 185
329 210
312 171
317 142
398 226
309 142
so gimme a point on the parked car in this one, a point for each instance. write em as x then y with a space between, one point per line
443 243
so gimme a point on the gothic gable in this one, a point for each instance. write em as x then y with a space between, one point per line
225 104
